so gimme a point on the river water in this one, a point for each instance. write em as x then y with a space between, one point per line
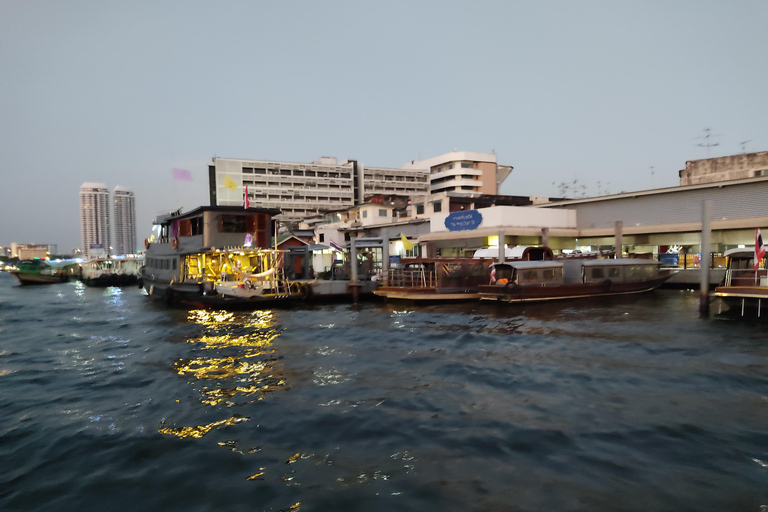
109 402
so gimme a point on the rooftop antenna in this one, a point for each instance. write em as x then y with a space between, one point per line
744 146
707 144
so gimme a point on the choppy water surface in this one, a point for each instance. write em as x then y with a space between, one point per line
108 402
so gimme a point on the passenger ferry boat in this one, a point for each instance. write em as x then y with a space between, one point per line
216 256
744 288
44 271
534 281
110 271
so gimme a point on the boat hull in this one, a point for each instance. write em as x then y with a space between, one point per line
520 294
34 278
426 294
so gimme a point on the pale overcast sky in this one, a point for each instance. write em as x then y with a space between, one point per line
121 92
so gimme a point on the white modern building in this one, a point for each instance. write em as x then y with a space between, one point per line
94 219
463 171
125 221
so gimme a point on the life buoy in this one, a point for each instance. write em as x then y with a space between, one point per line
146 243
175 243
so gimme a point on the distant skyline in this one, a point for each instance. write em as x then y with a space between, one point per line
614 95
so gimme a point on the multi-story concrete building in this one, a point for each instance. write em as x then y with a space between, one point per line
94 219
125 221
725 168
32 251
463 171
304 190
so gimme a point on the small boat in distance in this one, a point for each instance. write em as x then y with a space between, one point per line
44 271
536 281
110 271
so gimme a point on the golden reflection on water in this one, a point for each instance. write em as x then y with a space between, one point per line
201 430
236 360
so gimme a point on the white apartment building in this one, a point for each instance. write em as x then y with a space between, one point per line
94 219
301 190
463 171
125 220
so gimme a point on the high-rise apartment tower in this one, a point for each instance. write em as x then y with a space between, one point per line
125 221
94 219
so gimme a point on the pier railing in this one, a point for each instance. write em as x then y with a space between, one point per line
412 278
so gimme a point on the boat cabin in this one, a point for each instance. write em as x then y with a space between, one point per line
440 273
741 269
576 271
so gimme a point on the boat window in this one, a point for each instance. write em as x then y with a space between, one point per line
232 224
528 276
552 274
614 272
597 273
641 272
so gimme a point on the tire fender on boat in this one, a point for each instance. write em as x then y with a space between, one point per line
169 294
607 285
146 243
305 291
175 243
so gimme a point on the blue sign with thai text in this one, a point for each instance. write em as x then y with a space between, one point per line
465 220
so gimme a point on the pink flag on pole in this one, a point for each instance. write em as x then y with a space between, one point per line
246 203
182 175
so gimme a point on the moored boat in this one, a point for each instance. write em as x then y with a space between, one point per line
110 271
435 279
216 256
535 281
745 287
44 271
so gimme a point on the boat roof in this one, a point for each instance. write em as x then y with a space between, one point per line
740 251
532 264
620 261
176 215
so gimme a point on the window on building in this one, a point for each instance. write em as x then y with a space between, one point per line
365 214
437 207
419 209
321 237
382 212
466 165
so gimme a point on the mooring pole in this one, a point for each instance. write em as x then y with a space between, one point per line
353 282
502 246
384 255
617 229
706 248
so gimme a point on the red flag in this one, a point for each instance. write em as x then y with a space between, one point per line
759 249
246 203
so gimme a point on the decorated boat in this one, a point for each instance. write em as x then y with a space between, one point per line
534 281
44 271
435 279
110 271
216 256
746 284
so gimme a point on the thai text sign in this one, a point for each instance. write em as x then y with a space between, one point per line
465 220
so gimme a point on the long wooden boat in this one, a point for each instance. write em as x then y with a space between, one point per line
216 256
536 281
435 279
44 271
745 288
